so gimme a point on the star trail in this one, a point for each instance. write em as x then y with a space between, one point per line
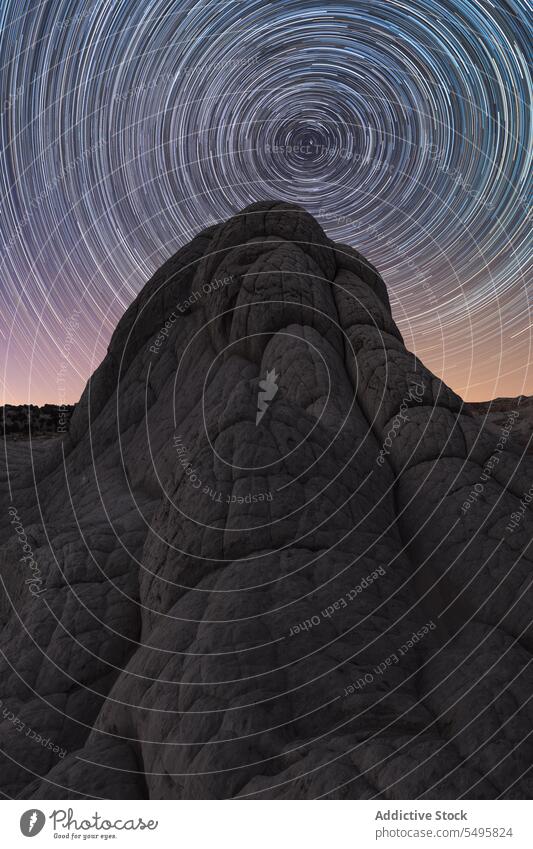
403 127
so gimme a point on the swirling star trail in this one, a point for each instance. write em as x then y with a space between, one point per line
404 127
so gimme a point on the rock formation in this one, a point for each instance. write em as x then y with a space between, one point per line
495 413
325 600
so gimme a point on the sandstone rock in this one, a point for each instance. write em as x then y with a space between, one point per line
329 603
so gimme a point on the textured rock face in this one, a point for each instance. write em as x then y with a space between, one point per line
333 601
494 413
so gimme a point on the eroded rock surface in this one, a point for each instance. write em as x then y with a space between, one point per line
494 415
216 608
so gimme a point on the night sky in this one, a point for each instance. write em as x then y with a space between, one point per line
404 127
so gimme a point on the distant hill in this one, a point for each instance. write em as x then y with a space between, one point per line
17 422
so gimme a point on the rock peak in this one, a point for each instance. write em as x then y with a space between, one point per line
275 556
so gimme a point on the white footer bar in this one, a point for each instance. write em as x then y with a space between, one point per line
268 824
